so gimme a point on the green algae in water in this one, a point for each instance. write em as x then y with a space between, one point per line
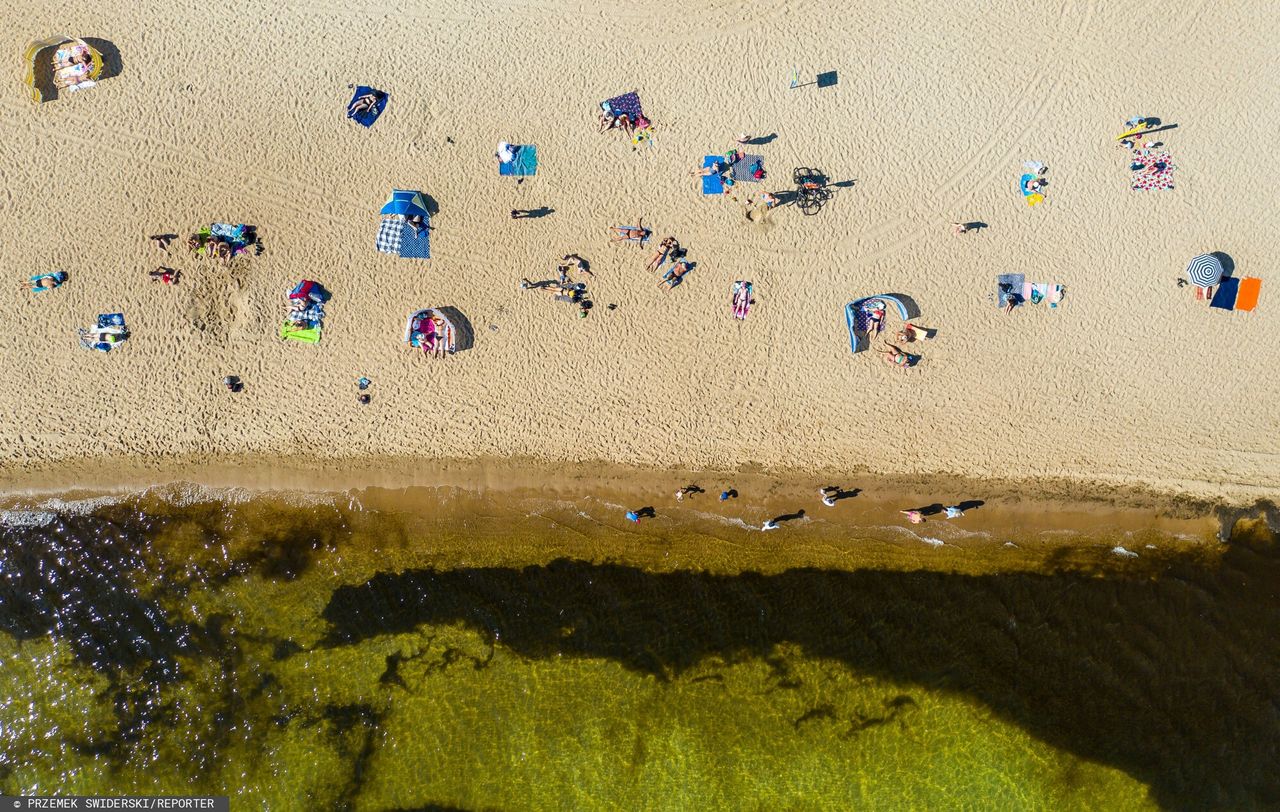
316 658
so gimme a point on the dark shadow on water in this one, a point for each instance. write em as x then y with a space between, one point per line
1166 666
1168 670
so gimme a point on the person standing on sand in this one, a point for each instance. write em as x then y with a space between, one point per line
828 495
769 524
913 516
954 512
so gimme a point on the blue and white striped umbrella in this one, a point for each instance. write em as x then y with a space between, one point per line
1204 271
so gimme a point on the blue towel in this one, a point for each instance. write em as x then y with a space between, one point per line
414 243
117 319
712 184
524 164
367 117
1224 297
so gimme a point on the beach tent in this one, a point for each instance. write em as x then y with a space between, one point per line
406 204
405 229
858 317
74 64
431 331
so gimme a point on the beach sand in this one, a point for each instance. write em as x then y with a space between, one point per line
235 112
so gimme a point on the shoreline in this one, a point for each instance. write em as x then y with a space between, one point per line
535 512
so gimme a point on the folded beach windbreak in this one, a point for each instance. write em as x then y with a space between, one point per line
524 164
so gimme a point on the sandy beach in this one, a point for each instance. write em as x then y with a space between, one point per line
235 112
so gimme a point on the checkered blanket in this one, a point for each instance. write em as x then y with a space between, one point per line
1144 181
390 234
415 243
742 169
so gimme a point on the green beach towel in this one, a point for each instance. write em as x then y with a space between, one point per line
307 335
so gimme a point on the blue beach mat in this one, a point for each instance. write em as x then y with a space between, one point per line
365 118
712 184
1224 298
525 163
415 243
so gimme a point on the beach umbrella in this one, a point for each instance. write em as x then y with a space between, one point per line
1204 271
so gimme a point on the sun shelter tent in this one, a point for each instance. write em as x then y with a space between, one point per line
865 318
432 332
75 65
406 225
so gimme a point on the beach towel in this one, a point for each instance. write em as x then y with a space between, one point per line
365 118
642 239
307 335
1009 283
741 299
642 135
712 184
1039 292
389 235
58 278
1224 298
415 243
1157 182
627 104
110 320
1247 298
524 164
743 168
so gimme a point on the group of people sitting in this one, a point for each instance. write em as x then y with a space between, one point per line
670 250
72 64
430 333
623 122
724 168
222 241
563 288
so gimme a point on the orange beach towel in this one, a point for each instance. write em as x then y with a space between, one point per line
1247 297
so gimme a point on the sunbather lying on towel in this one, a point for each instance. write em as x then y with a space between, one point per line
362 104
637 232
608 122
674 275
899 357
47 281
669 247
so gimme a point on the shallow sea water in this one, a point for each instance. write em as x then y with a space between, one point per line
324 656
